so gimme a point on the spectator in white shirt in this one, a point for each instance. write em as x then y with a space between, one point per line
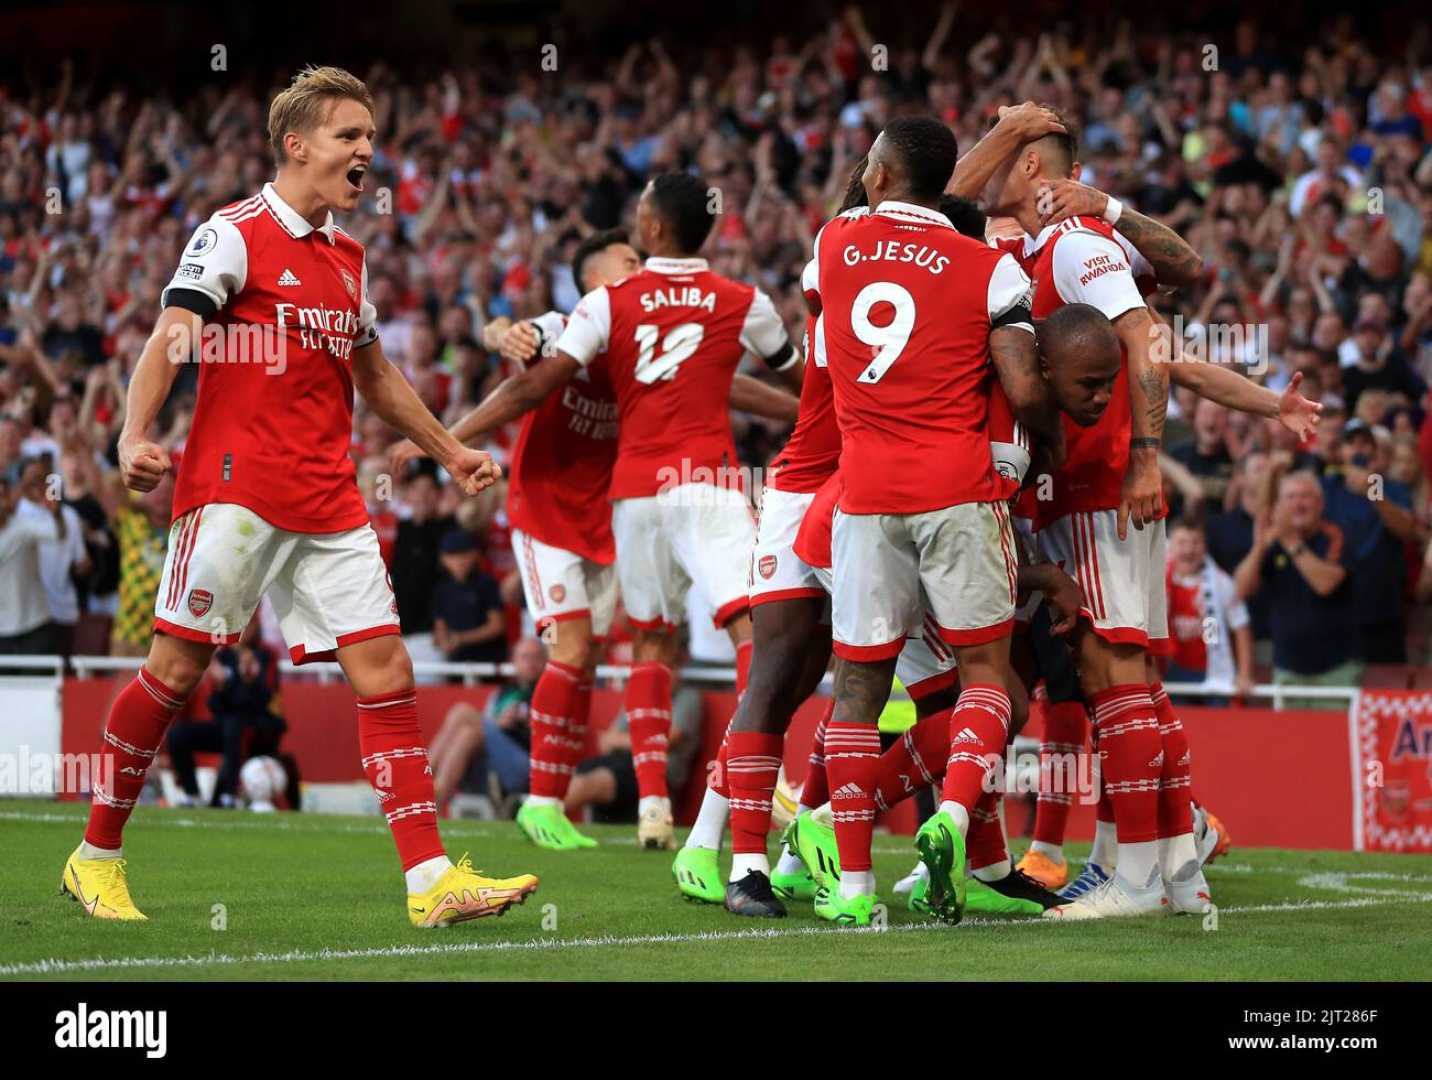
24 609
61 559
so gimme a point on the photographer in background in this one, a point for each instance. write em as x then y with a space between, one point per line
243 682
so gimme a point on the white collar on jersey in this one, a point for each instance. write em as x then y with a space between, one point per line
661 265
906 211
1034 243
295 223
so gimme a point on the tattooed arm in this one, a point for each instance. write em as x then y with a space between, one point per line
1148 402
1174 262
1016 363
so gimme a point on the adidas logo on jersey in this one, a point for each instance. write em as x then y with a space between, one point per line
966 736
288 277
847 791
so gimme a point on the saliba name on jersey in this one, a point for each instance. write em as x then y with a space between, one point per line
688 296
594 419
927 258
321 327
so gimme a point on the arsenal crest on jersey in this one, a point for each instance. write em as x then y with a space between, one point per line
200 601
349 283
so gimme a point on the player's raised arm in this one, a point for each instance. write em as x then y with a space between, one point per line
1174 262
1018 125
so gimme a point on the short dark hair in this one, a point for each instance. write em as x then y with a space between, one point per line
927 151
684 202
1066 141
595 245
967 218
1077 324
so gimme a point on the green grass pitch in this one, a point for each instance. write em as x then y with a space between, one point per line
308 897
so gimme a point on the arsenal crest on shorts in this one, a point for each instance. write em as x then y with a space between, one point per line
200 601
558 593
349 283
767 566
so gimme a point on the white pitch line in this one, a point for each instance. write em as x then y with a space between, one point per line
56 965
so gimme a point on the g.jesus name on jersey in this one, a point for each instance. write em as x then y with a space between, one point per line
907 306
670 338
562 462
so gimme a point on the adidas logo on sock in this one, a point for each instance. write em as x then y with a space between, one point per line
966 736
1157 763
847 791
1187 757
288 277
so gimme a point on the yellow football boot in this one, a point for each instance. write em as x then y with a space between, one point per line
463 893
101 887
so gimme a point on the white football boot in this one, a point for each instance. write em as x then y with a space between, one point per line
1114 899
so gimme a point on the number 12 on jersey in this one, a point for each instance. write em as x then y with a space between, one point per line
678 345
891 338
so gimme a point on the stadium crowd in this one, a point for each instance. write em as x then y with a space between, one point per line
1299 172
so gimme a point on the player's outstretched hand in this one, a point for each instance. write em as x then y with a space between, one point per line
1142 495
142 464
1068 198
519 343
473 470
400 453
1297 413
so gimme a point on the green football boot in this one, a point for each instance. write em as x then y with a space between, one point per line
855 911
548 827
814 844
798 885
697 871
942 850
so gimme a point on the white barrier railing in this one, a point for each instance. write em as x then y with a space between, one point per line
471 672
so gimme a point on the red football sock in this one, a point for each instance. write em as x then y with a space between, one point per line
852 755
580 718
753 760
395 760
1066 727
985 843
555 702
1176 782
978 731
648 709
743 667
133 734
1131 755
915 762
716 778
816 792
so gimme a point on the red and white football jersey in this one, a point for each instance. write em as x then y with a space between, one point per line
812 453
670 338
285 305
561 467
1080 261
907 306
